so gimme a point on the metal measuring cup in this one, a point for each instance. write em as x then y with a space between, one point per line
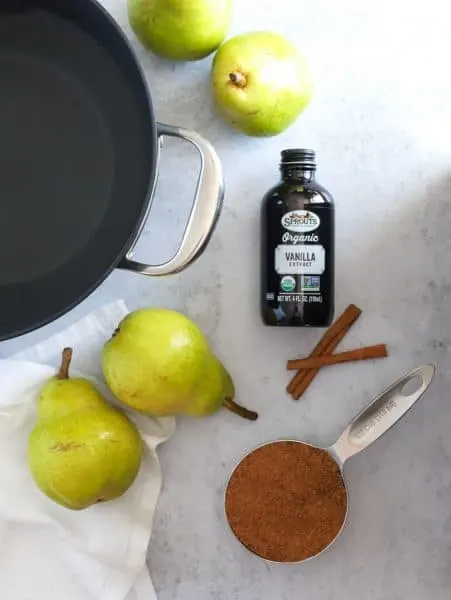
367 427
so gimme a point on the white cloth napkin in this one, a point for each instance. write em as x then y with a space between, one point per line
46 551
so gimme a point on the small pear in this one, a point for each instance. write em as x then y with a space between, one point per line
160 363
81 450
261 83
184 30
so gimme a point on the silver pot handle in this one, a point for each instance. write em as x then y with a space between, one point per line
204 214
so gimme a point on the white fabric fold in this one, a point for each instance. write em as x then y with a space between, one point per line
47 551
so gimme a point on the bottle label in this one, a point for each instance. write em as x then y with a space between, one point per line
299 248
300 221
300 260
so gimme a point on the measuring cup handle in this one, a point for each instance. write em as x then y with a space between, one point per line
384 412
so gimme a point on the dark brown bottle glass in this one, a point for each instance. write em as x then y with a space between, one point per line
297 247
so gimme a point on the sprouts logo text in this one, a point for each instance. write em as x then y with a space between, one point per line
300 221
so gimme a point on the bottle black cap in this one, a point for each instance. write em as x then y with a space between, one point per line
298 156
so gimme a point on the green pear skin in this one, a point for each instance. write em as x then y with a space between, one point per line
81 450
181 30
260 83
159 363
212 390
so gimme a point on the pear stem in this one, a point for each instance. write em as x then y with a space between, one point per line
63 372
238 79
231 405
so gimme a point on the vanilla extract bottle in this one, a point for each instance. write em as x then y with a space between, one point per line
297 247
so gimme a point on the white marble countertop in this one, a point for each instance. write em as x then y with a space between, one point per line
380 123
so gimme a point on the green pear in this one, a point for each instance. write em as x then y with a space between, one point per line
260 83
184 30
81 449
159 362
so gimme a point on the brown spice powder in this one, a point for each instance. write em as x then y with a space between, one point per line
286 501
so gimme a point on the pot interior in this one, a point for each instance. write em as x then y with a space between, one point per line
77 156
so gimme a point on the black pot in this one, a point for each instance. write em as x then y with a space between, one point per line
79 148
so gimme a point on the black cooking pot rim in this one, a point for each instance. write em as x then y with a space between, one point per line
128 57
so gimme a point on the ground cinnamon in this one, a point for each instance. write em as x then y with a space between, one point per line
365 353
286 501
327 344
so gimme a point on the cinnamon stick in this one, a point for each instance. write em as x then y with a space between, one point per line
365 353
327 344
